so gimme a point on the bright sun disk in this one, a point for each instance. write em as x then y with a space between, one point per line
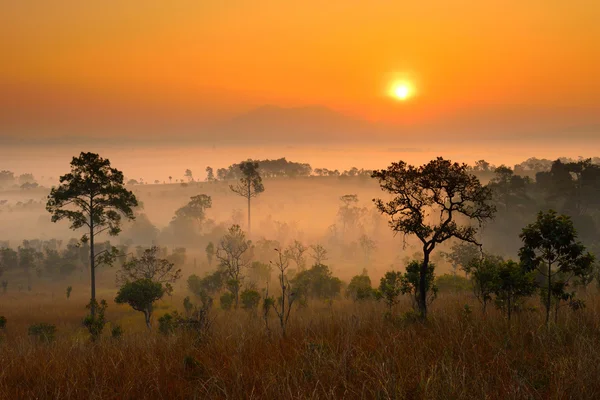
401 91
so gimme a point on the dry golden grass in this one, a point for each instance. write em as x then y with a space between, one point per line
332 352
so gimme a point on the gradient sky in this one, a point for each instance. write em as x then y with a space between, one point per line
533 63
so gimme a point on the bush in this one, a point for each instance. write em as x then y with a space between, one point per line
317 282
227 300
116 332
452 283
42 331
95 324
166 324
2 322
360 288
250 299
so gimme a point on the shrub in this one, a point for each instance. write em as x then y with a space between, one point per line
360 288
2 322
317 282
95 324
452 283
390 287
141 295
250 299
116 332
166 324
42 332
226 301
69 290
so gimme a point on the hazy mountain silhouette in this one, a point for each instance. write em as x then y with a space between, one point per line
272 123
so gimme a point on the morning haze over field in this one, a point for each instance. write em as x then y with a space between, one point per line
289 200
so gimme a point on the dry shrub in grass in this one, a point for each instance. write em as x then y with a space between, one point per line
344 351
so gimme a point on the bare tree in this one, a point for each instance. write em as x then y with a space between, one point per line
319 253
283 306
233 255
295 251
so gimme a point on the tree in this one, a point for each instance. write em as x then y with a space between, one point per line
141 295
93 196
390 287
461 254
550 246
233 256
360 287
250 184
349 213
484 275
151 267
210 174
170 179
282 307
319 253
411 283
427 201
210 253
367 245
513 283
317 282
296 252
188 174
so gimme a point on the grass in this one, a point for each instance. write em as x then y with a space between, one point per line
342 351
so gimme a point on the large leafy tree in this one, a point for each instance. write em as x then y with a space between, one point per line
250 184
92 196
550 246
430 202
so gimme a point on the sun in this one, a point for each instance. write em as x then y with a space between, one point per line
401 91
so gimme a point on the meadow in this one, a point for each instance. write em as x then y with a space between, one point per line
332 351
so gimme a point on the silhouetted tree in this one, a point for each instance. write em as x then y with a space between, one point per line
550 246
141 295
427 201
250 184
92 195
233 255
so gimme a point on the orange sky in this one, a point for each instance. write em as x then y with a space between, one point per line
211 58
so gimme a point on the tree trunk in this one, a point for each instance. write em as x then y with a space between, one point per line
148 315
509 309
92 269
549 295
249 226
423 283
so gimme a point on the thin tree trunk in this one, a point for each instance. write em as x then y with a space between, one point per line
249 226
148 315
549 295
423 284
92 269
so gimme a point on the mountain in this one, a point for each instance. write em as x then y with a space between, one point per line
314 124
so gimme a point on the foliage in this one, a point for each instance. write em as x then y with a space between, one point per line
317 282
550 247
210 253
95 322
204 288
484 275
427 202
141 295
92 195
2 322
250 299
69 290
461 254
411 284
250 184
234 256
390 288
452 283
513 284
43 332
116 332
226 301
149 266
360 288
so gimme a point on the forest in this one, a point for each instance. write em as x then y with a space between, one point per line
274 279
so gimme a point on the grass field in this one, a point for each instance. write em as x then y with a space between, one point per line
343 350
